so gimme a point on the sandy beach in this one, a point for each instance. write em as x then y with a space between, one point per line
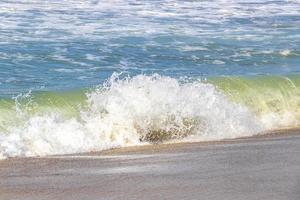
265 167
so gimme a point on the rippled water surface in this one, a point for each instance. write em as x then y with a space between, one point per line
67 44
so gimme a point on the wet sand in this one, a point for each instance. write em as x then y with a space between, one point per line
265 167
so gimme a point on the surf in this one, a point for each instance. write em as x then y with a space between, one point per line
146 109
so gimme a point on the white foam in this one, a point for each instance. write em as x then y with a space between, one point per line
81 18
123 112
285 52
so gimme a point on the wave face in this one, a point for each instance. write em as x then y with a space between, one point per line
275 100
122 112
146 109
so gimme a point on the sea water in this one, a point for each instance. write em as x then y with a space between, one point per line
89 75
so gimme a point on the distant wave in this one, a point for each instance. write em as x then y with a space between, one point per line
146 109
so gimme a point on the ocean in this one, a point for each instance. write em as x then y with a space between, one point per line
89 75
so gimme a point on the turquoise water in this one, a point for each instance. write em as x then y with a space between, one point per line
61 45
88 75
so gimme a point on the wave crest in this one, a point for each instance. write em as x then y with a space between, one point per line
133 111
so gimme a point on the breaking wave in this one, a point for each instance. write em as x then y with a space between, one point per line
146 109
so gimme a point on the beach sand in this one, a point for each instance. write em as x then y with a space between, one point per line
264 167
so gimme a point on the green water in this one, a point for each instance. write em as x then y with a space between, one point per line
260 94
16 111
147 108
263 94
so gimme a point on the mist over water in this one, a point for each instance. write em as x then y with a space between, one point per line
90 75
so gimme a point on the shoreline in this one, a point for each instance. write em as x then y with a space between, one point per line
262 167
172 145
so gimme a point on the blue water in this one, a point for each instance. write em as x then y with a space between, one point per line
64 44
89 75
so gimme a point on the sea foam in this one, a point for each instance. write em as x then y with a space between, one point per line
131 111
